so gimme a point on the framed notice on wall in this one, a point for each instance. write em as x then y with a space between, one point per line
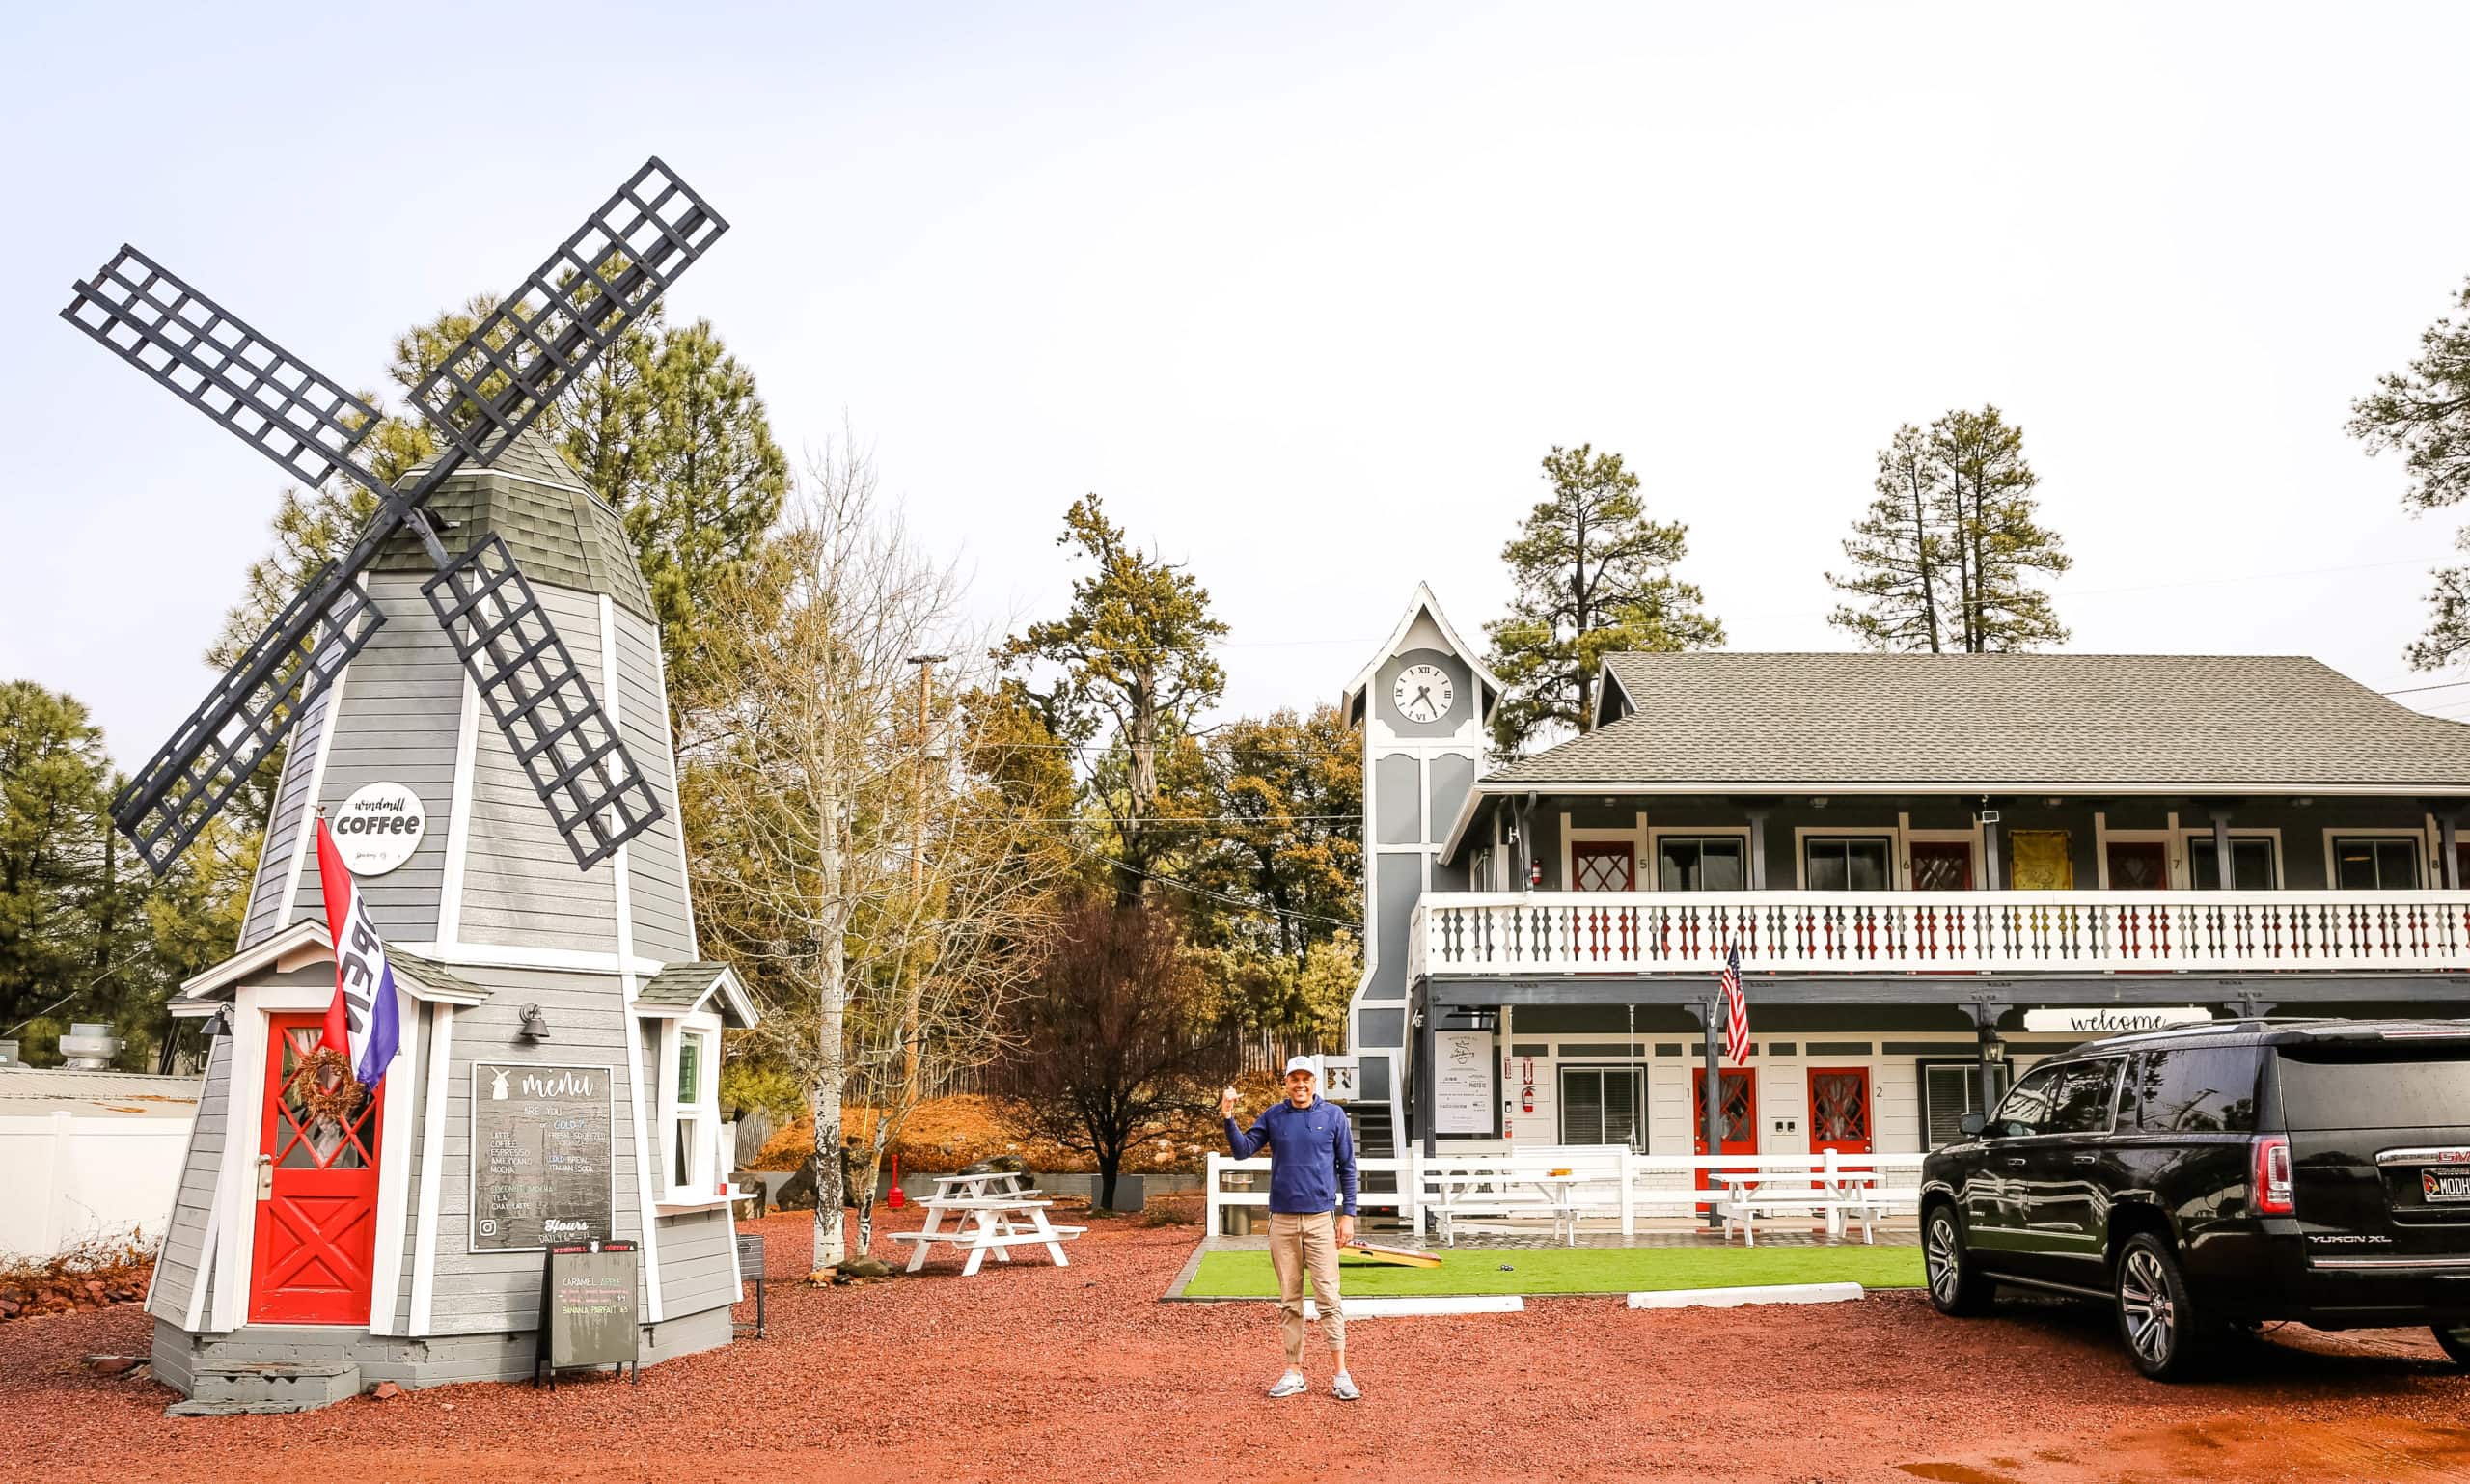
543 1156
1463 1082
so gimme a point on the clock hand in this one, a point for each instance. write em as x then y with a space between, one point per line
1423 693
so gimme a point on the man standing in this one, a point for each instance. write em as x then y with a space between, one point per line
1312 1170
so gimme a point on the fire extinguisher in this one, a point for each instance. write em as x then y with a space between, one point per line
895 1200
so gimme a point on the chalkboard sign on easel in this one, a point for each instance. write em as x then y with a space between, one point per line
588 1310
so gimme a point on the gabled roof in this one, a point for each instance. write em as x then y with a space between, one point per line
681 989
1488 685
1866 722
305 942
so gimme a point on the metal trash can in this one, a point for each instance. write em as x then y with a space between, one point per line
750 1268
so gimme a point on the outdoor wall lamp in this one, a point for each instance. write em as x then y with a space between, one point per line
1994 1050
219 1024
534 1027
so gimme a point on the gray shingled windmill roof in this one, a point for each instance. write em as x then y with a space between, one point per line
1737 719
558 530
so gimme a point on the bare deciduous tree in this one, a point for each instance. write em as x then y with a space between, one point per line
845 853
1119 1012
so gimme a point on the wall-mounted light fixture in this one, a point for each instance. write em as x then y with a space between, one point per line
534 1027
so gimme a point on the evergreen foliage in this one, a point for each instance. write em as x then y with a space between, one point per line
1593 576
2423 413
1946 555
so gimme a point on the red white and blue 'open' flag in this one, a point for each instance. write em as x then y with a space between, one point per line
1736 1009
361 1021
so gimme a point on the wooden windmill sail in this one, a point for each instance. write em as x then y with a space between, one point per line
481 398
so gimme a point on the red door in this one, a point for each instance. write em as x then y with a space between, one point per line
1840 1110
1604 866
317 1207
1941 865
1738 1112
2139 865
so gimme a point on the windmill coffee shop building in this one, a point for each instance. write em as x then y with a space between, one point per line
1936 869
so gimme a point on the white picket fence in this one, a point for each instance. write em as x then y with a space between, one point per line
1647 1184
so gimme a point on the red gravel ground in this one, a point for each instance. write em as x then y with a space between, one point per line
1032 1372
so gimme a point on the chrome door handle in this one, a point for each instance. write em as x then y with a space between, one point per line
2088 1159
2015 1162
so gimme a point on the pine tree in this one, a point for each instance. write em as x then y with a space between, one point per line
1899 551
1944 556
2423 413
1593 577
1993 534
1133 649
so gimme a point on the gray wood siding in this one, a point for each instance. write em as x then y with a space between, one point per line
283 828
398 724
695 1271
480 1292
663 919
175 1269
520 885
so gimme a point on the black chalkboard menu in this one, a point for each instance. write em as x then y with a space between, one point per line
543 1160
587 1310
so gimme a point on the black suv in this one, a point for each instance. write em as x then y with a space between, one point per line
2220 1176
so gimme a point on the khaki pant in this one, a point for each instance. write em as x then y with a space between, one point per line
1298 1245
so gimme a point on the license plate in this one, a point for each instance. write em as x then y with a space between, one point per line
2445 1186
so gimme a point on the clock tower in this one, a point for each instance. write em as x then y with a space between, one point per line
1423 704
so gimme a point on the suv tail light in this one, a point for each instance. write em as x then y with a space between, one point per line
2272 1176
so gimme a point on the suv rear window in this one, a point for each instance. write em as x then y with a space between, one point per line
2191 1089
2381 1088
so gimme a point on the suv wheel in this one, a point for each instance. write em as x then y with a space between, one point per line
2455 1340
2161 1329
1956 1286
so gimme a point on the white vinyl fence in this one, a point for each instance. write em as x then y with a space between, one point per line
1645 1184
68 1181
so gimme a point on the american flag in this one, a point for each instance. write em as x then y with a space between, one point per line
1736 1009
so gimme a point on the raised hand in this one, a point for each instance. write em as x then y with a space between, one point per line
1226 1103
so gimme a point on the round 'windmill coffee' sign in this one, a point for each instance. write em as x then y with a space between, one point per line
378 828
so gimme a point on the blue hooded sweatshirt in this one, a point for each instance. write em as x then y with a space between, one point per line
1311 1151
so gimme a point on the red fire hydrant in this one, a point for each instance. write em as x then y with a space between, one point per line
895 1200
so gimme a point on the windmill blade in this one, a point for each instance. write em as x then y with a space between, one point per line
567 743
268 398
572 309
246 717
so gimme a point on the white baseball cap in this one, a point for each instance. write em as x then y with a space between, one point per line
1295 1064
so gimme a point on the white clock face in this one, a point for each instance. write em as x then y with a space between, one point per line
1422 693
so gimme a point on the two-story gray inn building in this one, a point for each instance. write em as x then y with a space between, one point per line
1933 867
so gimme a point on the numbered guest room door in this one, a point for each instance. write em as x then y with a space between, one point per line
317 1196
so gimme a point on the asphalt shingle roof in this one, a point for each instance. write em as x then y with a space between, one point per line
559 531
1798 720
430 975
683 985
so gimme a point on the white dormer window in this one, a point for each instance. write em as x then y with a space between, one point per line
690 1107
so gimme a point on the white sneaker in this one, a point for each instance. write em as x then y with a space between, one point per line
1343 1389
1291 1383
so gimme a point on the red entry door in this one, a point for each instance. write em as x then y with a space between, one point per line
1941 865
1602 867
2139 865
1739 1090
1840 1110
317 1213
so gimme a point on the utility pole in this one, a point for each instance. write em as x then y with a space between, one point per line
909 1027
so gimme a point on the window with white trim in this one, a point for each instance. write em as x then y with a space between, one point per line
690 1107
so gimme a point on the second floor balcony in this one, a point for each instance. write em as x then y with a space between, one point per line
1502 934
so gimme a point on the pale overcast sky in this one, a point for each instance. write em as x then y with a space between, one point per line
1304 293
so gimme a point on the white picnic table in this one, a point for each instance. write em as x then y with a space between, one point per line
1831 1192
993 1212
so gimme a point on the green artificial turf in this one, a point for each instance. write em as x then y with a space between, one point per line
1579 1270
